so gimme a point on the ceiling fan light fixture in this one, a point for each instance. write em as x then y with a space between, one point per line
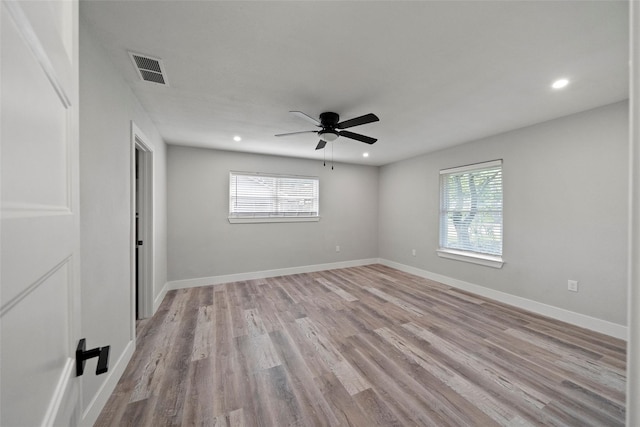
328 135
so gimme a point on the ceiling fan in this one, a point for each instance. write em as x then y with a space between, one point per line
331 127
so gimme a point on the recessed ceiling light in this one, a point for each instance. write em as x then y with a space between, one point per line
237 138
365 154
559 84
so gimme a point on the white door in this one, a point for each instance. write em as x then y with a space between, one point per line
39 232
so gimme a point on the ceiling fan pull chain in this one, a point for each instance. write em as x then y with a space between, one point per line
332 156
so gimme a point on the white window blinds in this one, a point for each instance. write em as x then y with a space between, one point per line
255 195
471 208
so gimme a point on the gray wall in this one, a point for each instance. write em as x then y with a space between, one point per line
202 242
565 212
107 105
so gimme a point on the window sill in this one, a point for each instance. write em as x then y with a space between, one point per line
274 219
486 260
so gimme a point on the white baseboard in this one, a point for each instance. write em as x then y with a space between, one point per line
608 328
90 415
215 280
158 300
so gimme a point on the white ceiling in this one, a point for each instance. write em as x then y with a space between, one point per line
436 73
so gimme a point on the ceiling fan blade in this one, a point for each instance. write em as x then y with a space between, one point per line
321 145
306 117
367 118
357 137
296 133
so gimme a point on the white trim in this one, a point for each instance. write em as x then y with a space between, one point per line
216 280
598 325
61 390
158 300
465 168
132 230
264 219
31 38
633 272
486 260
90 415
273 175
20 210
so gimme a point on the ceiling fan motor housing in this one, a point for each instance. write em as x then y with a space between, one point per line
329 120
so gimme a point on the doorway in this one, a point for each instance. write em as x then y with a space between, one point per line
138 233
141 227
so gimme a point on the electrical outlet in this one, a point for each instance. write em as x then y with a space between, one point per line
413 252
337 248
572 285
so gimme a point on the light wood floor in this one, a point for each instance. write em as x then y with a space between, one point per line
362 346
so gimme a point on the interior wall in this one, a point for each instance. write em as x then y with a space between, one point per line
565 212
202 243
107 106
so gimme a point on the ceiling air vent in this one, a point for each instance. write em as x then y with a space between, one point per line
149 69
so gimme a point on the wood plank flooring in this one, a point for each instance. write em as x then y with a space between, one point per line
362 346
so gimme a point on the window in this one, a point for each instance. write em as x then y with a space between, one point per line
257 197
471 213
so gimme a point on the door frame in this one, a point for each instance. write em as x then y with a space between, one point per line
146 231
633 316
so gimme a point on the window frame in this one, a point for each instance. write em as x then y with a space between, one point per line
263 217
481 258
